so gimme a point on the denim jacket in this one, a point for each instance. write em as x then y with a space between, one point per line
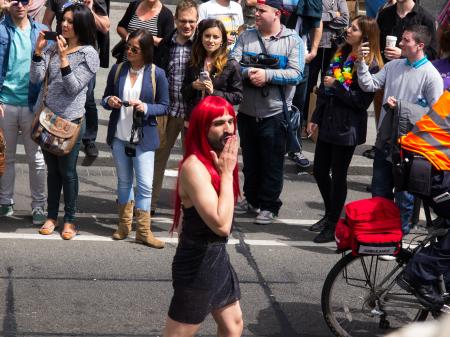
7 30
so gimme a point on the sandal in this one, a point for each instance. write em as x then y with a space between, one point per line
48 227
69 233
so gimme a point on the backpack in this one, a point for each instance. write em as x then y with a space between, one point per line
371 227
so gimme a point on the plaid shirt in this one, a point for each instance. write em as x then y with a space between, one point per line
179 58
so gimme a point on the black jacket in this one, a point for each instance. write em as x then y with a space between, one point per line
227 85
342 116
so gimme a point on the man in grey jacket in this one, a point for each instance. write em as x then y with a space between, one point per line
261 123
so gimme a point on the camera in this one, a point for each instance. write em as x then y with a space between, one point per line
126 104
138 119
130 149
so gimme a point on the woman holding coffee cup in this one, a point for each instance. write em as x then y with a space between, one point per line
341 115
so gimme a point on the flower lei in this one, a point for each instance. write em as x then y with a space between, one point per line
342 71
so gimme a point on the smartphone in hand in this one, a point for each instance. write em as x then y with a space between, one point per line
204 76
50 35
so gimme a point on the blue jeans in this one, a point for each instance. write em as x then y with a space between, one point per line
383 186
62 175
142 166
263 143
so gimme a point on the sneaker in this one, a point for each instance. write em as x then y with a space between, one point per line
245 207
370 153
38 215
6 210
299 159
265 217
91 150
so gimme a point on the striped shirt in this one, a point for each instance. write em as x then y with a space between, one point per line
179 58
135 23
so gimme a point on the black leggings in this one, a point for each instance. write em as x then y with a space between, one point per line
332 188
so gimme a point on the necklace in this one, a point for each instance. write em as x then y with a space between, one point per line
136 72
342 71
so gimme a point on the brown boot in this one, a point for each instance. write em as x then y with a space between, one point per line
143 232
125 220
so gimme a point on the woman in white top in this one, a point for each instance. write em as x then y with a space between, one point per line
137 92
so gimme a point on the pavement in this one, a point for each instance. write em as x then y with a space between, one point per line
94 286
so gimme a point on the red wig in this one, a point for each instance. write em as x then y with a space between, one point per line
196 143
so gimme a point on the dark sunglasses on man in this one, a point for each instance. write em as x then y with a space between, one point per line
23 2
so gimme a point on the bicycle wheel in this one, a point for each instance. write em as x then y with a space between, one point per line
360 298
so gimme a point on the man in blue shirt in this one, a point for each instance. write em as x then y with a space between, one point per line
18 34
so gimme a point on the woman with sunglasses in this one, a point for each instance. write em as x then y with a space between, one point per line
137 91
150 15
341 115
67 66
209 72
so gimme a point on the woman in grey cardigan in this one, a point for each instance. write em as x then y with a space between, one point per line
70 63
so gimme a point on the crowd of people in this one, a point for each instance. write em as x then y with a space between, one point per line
182 74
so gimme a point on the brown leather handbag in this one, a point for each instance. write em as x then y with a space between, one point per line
2 153
53 133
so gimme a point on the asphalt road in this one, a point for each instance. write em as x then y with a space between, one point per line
93 286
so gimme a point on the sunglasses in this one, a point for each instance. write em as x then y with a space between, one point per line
23 2
132 49
70 4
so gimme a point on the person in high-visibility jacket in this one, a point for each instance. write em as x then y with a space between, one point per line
430 137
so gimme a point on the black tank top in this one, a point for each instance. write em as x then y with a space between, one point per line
194 228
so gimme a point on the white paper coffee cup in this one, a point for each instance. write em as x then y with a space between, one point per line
391 41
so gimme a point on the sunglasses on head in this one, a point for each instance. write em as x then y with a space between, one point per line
70 4
134 50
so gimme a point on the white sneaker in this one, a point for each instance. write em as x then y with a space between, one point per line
245 207
265 217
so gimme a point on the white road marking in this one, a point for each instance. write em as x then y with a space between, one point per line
174 240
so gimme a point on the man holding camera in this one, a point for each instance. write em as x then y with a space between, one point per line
261 122
18 34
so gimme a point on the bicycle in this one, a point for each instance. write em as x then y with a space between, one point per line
360 296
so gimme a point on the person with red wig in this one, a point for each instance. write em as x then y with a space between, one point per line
207 189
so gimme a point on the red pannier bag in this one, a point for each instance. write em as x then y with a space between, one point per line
371 227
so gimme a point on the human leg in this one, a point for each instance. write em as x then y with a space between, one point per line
143 165
321 171
173 129
54 185
124 169
67 166
271 144
10 126
229 320
250 157
382 179
341 157
35 160
177 329
91 121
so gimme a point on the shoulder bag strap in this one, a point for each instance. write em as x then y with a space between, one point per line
116 74
153 74
280 88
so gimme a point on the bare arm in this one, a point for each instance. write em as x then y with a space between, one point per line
49 16
101 22
122 33
196 189
315 35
